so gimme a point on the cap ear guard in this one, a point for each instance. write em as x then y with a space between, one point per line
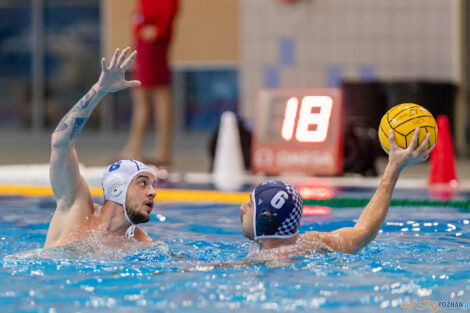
115 184
267 222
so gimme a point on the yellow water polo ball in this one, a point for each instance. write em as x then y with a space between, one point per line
403 119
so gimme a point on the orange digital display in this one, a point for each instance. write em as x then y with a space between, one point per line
298 130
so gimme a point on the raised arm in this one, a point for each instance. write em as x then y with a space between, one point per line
66 181
353 239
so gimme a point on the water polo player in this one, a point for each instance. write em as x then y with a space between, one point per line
128 185
272 215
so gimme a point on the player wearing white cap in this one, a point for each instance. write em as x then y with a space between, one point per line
128 185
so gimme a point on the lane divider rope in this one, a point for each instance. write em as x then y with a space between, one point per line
182 195
163 195
362 202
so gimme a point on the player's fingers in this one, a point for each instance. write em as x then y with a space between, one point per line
122 56
129 61
113 61
103 65
414 140
391 139
425 142
428 152
425 155
132 83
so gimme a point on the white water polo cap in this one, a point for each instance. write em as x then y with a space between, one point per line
117 178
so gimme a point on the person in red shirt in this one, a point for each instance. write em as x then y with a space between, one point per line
152 28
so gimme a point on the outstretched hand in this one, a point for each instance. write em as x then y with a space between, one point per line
402 158
112 76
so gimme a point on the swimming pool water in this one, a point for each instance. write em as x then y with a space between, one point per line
420 254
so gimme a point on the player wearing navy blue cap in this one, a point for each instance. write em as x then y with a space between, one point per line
277 210
128 185
272 216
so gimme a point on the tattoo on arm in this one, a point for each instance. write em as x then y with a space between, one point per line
62 124
74 121
87 99
77 127
61 127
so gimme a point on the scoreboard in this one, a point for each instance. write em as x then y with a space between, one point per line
298 131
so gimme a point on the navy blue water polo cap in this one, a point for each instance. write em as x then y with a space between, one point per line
277 210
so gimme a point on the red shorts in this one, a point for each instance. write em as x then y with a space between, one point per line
152 63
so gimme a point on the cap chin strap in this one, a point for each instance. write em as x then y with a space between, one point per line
130 231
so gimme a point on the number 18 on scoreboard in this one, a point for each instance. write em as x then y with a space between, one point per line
298 130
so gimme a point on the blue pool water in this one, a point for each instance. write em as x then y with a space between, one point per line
421 254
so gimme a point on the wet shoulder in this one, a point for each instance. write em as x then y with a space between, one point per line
311 242
141 235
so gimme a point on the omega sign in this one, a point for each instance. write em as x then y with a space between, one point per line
285 158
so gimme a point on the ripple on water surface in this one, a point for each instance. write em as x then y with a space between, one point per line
415 257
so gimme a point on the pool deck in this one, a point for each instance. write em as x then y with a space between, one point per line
191 161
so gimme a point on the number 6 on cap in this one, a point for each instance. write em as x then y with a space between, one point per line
279 199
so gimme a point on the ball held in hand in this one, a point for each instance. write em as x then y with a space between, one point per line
403 119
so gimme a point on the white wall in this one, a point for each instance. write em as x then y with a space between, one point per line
387 39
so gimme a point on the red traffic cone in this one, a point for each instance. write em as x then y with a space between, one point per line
442 157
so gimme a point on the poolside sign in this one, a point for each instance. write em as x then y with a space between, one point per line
298 130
